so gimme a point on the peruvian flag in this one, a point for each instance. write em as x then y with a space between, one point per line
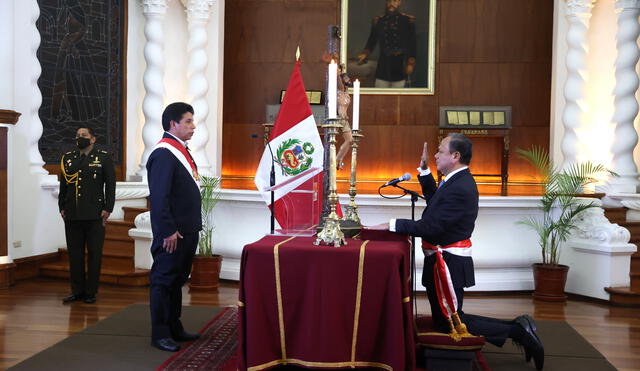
296 149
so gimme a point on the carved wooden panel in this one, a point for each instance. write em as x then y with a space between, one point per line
83 58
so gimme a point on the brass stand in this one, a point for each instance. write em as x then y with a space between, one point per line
331 232
352 209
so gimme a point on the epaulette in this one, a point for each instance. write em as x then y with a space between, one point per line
411 18
101 151
376 19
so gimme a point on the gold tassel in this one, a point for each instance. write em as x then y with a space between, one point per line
460 327
453 334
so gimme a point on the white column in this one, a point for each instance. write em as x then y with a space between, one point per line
198 12
30 124
578 15
626 105
153 104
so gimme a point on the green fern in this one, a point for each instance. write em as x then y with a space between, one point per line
210 195
559 203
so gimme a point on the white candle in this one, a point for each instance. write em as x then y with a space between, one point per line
356 104
333 89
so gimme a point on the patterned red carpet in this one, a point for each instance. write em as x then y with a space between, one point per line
216 349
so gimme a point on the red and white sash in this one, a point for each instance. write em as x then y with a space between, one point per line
442 278
180 152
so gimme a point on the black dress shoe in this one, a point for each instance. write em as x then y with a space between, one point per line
166 344
532 324
72 297
89 299
185 336
530 341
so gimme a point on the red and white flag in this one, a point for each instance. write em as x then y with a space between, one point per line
297 151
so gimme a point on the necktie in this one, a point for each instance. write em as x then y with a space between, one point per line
441 183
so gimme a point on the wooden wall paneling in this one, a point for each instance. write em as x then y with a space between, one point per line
418 110
480 31
242 149
490 52
486 156
379 110
388 151
524 137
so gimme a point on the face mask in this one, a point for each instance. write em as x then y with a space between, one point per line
83 142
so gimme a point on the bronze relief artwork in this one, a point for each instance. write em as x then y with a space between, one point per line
81 54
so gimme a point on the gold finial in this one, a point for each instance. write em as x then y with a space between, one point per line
298 53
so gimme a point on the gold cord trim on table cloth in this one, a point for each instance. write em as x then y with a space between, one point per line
320 364
407 299
285 360
276 261
356 316
452 347
240 304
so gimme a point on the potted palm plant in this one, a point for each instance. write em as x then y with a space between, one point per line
206 265
561 204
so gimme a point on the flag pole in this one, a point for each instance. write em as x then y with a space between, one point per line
272 183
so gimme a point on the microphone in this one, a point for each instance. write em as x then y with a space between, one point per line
403 178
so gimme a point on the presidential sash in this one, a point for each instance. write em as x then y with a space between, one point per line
444 286
180 152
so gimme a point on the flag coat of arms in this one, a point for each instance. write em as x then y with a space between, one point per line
296 150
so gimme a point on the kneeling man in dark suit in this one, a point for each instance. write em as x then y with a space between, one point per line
176 223
447 224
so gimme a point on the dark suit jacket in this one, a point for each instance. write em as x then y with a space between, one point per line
174 196
450 217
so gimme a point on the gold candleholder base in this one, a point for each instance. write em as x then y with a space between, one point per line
331 234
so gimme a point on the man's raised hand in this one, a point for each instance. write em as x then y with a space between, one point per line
424 159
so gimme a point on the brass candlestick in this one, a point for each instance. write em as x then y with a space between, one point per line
352 209
331 232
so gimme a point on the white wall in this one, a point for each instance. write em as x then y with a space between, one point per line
34 218
175 80
6 59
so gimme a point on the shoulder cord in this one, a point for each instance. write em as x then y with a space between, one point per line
70 179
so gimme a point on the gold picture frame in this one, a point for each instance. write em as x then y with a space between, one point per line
357 25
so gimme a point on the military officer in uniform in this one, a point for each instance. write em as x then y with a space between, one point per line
87 195
396 33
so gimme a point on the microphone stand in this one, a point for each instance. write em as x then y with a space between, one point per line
272 182
414 198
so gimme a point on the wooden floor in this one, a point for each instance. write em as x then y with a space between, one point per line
33 318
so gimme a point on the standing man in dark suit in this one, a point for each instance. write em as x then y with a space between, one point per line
86 199
446 225
174 193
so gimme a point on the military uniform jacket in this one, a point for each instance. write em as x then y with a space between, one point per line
396 33
87 185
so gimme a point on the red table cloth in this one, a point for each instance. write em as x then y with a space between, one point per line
324 307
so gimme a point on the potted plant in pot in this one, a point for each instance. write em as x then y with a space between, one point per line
561 203
206 265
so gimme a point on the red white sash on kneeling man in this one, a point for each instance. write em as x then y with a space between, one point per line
178 150
444 286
